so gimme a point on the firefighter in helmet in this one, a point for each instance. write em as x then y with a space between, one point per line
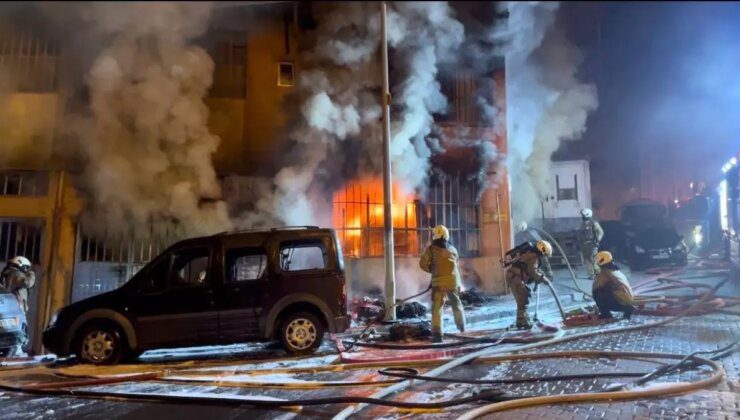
17 278
521 273
441 260
611 289
589 238
526 233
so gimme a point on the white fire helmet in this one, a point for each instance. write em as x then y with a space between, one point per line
603 258
440 231
20 262
522 227
587 213
545 248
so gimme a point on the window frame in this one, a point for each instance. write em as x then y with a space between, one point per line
208 281
279 73
329 263
226 278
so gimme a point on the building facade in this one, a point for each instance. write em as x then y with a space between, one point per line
255 71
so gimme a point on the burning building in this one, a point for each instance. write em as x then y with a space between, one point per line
245 115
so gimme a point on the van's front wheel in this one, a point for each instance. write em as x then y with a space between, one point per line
100 344
301 333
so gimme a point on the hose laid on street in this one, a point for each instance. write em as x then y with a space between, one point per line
661 391
409 373
242 400
344 414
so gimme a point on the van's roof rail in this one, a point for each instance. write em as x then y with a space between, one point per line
294 227
275 229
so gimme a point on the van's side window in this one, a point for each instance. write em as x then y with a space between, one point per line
245 264
303 255
190 268
155 280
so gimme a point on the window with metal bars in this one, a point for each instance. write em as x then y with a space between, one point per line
32 62
18 237
358 217
24 183
468 97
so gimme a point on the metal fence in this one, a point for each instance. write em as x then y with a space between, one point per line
27 183
105 264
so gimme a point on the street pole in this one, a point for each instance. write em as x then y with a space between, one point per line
388 251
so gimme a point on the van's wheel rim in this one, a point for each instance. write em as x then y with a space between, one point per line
98 346
301 333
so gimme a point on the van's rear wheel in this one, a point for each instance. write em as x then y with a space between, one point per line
100 344
301 333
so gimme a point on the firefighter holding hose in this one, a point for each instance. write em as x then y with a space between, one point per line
441 260
526 233
611 289
521 272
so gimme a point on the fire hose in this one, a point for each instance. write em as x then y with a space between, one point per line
621 395
344 414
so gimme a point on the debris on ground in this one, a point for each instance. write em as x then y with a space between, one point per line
410 331
367 308
473 297
411 310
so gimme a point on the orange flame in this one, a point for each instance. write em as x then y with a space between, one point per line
358 217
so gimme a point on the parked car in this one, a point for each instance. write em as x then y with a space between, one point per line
650 239
12 325
282 284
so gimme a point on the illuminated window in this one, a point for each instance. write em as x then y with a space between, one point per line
358 217
285 74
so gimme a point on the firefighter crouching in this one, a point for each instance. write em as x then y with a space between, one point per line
522 272
611 289
17 278
589 238
441 260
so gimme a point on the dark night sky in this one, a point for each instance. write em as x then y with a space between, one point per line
666 76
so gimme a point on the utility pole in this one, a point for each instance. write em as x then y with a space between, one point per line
388 251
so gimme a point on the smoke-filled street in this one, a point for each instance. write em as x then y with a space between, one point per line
230 375
369 210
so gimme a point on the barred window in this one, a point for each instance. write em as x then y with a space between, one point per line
25 183
358 217
31 62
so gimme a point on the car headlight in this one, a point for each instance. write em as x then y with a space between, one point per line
639 250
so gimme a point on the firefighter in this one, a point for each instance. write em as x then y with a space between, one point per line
17 278
521 273
528 234
589 238
611 289
441 260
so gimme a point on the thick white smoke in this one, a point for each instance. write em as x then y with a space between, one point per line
546 103
340 102
147 147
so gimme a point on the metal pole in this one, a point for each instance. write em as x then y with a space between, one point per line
390 277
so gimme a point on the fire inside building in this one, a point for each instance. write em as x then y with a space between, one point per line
41 207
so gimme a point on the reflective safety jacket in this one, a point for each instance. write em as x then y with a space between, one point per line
614 280
442 264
